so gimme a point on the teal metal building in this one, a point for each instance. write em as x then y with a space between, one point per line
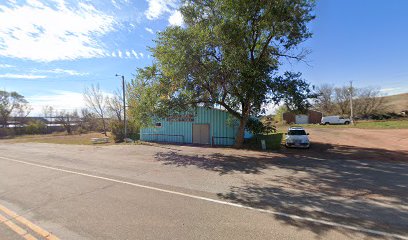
203 125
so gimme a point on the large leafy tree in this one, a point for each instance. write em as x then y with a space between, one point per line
228 54
12 102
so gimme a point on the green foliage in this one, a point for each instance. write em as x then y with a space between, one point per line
279 113
118 131
227 54
256 126
293 91
35 127
11 102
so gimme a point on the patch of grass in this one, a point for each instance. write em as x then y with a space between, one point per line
397 124
83 139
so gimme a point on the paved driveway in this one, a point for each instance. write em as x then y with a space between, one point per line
182 192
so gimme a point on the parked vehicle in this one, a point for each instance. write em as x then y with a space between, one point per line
335 120
297 137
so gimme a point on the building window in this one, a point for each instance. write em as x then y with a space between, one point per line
158 124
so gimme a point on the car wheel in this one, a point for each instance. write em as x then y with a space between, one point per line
346 122
326 123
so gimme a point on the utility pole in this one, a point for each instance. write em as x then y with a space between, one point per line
124 104
351 103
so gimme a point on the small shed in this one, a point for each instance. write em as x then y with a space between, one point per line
202 125
310 116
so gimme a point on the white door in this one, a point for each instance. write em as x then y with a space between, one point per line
302 119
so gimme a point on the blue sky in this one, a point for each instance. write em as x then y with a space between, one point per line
51 50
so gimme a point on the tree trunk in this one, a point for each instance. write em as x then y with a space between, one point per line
104 127
239 138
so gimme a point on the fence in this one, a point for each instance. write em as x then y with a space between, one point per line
153 137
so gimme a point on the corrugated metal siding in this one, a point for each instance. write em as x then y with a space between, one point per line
220 128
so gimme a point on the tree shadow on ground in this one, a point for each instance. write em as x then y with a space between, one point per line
215 162
349 152
361 187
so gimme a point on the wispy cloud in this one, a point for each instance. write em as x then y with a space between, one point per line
21 76
53 31
59 100
127 54
61 71
149 30
115 4
176 19
388 89
135 54
394 90
6 66
156 8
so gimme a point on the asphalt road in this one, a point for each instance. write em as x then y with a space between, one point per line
140 192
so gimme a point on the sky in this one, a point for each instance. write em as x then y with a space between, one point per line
51 50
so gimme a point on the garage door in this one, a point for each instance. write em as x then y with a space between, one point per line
302 119
201 133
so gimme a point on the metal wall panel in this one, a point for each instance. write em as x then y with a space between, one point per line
222 129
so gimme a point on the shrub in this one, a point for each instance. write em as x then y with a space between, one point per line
7 132
35 127
118 131
81 130
256 126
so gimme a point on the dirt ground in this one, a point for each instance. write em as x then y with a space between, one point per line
353 143
390 139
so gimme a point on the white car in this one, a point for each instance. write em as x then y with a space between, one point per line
297 137
335 120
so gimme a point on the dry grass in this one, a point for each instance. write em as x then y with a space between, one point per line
58 138
396 103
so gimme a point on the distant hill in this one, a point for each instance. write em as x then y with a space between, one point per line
396 103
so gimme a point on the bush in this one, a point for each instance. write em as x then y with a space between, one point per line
35 127
81 130
256 126
118 131
7 132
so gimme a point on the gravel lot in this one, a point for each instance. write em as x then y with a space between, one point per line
367 144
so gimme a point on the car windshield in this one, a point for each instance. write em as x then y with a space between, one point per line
296 132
